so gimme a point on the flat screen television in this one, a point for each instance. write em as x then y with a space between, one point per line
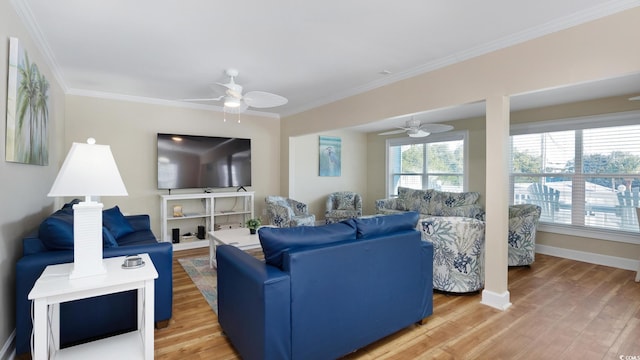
191 161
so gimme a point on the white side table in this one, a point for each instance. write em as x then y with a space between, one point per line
54 287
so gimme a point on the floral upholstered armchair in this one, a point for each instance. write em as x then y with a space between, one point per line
343 205
458 252
285 212
523 221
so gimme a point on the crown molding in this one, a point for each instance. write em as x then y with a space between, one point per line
154 101
574 19
26 15
611 7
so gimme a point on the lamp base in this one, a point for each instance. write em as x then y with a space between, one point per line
87 240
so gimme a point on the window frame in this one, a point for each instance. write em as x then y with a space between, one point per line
579 123
433 138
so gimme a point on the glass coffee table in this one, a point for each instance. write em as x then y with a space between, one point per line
240 238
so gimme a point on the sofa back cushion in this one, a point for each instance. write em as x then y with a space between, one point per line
386 224
443 199
414 199
115 221
56 231
276 241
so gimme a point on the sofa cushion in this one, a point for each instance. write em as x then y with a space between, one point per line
56 231
415 199
116 222
376 225
276 241
442 199
471 211
107 238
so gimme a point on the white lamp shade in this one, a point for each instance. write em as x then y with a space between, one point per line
88 170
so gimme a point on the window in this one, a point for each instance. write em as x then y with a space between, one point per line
437 161
582 172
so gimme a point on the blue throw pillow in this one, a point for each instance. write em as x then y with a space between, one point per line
276 241
56 231
385 224
69 206
107 238
116 222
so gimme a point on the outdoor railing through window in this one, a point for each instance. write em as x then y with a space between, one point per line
588 175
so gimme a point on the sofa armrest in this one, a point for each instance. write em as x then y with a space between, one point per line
298 207
253 305
139 222
161 254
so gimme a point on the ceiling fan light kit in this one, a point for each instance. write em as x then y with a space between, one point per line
236 102
231 102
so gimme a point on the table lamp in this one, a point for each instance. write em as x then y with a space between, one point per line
88 170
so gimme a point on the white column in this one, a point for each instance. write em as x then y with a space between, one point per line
496 293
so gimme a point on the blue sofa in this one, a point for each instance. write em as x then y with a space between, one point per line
102 316
325 291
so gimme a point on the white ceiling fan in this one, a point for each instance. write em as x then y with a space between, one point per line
235 102
415 128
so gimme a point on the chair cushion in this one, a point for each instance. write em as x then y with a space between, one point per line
116 222
344 201
276 241
377 225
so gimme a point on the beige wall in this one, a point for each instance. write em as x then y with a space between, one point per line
130 129
589 52
24 188
307 186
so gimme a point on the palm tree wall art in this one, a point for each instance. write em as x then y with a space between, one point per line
27 111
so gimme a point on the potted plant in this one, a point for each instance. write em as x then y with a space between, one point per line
253 224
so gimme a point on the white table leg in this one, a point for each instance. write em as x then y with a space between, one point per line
39 329
149 311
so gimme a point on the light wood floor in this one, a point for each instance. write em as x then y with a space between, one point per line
562 309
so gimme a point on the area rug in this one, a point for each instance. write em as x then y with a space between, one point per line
206 278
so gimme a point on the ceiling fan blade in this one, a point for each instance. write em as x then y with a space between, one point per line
392 132
435 128
261 99
635 98
208 99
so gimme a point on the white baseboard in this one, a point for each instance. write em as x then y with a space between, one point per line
592 258
8 351
495 300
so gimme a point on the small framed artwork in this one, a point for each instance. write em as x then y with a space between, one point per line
330 156
27 110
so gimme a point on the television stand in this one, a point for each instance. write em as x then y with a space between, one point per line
241 188
213 210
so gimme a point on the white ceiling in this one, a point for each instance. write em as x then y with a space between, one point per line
311 52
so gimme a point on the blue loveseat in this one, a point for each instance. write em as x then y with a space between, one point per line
325 291
93 318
